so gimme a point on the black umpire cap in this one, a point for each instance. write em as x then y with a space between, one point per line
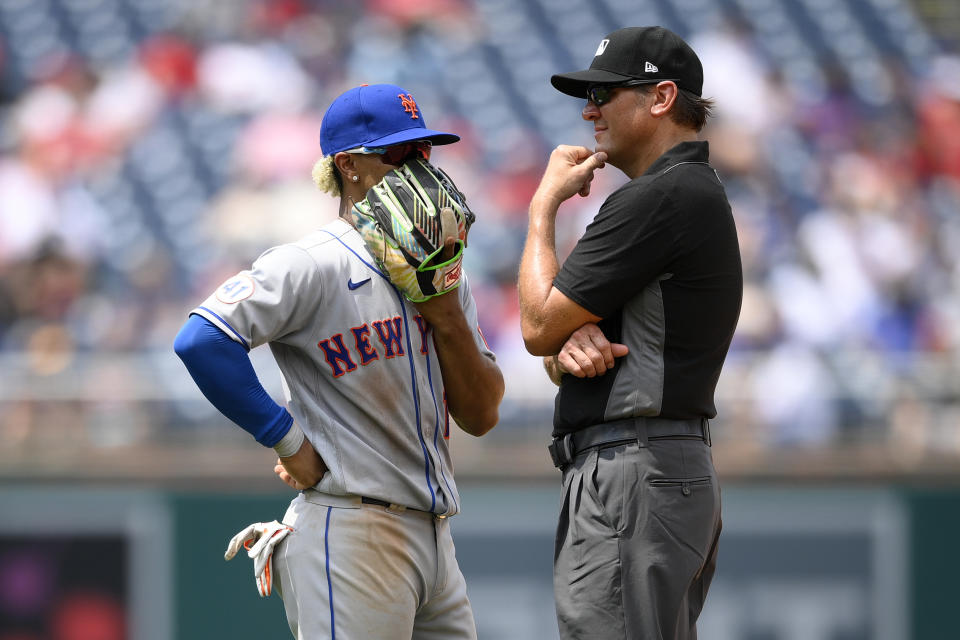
649 54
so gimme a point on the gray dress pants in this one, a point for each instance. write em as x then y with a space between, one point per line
636 541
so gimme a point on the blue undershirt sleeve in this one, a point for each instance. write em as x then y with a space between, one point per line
223 372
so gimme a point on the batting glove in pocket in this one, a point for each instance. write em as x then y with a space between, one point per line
259 539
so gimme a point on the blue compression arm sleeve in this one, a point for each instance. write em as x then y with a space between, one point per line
221 368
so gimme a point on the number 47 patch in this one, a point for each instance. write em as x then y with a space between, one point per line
237 288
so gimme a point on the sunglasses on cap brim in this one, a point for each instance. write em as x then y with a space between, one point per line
397 154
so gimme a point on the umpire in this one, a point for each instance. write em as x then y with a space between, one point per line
635 326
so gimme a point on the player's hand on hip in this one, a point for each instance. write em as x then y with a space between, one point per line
302 470
259 539
587 353
569 171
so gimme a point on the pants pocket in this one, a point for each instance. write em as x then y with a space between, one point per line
587 570
604 483
686 485
685 512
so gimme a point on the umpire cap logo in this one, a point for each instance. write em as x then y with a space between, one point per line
602 47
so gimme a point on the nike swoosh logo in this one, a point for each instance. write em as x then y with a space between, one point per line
356 285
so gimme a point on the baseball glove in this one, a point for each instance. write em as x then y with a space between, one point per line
406 221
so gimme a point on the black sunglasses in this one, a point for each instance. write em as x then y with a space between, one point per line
601 94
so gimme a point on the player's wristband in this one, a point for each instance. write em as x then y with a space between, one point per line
291 442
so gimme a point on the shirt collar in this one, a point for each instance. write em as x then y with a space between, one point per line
694 151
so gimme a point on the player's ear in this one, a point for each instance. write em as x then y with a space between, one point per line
346 164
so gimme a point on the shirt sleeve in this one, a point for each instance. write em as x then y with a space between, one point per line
277 296
627 245
222 370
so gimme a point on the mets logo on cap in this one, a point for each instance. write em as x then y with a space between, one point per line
409 104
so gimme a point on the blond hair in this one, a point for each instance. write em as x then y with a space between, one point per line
325 176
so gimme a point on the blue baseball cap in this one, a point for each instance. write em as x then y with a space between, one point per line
375 115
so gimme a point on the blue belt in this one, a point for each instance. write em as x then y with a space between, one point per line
565 449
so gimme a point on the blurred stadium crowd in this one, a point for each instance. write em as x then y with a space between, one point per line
151 148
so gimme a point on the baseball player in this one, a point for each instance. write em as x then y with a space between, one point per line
372 380
635 326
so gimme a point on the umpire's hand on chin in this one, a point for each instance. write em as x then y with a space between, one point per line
302 470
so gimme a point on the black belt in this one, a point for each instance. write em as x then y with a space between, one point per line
382 503
387 505
565 449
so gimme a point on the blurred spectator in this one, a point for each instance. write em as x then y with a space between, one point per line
171 61
938 120
271 79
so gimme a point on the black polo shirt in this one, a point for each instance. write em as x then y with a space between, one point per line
660 263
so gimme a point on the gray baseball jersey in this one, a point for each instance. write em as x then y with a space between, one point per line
359 367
